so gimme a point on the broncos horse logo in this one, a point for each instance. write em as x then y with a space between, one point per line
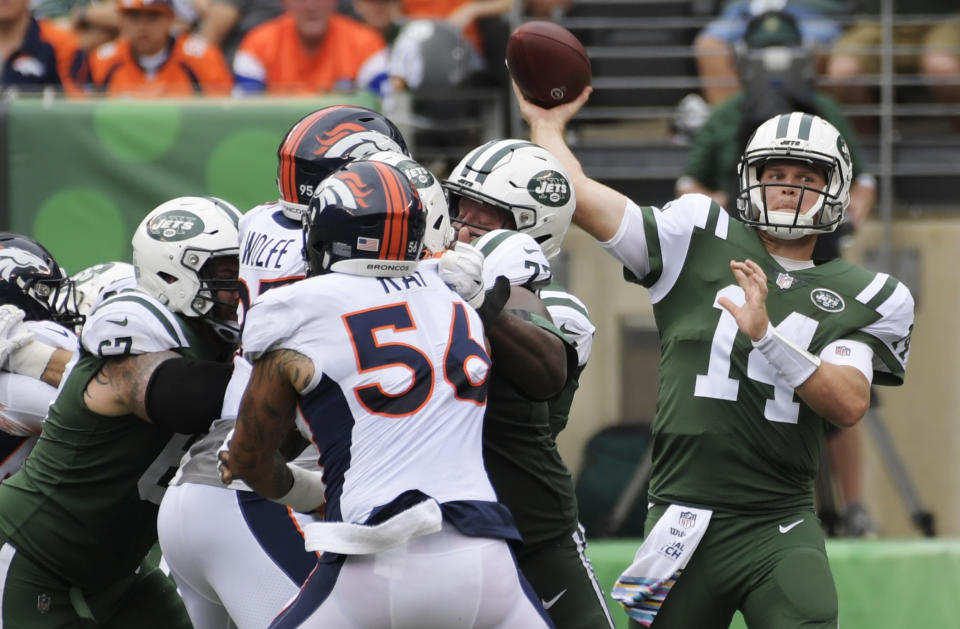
14 260
350 139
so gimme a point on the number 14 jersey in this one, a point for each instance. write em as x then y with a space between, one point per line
730 433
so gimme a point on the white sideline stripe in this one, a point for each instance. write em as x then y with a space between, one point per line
581 542
6 558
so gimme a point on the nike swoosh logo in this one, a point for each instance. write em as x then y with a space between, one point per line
123 321
789 527
534 250
548 604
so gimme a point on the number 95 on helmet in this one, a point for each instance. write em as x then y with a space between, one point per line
364 219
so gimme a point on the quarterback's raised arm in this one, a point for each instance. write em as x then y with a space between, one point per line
599 207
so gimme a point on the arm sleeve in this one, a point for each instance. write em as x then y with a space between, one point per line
185 395
23 404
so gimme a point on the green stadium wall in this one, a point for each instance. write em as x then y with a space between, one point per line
81 175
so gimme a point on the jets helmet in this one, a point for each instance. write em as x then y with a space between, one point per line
439 233
31 280
100 281
364 219
522 178
173 252
323 141
807 139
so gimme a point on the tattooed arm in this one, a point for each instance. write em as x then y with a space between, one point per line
120 387
266 417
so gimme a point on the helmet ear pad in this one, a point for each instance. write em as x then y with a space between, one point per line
365 219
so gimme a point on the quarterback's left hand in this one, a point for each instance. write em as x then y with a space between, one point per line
752 316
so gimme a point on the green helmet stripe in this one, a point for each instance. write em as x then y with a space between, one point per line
477 152
805 123
219 204
484 169
782 125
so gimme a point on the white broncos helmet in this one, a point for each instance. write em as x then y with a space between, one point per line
170 248
805 138
523 179
439 233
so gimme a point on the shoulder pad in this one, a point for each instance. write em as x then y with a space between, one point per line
54 334
513 254
132 322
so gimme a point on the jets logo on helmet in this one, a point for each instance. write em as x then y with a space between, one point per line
175 225
523 179
550 188
323 141
803 138
439 233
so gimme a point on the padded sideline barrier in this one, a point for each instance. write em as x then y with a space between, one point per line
882 584
82 174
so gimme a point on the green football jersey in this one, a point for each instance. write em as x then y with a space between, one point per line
84 505
523 463
729 433
519 450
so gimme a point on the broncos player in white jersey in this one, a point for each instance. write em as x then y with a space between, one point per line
390 370
34 354
244 558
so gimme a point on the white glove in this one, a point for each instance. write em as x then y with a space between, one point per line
461 268
13 334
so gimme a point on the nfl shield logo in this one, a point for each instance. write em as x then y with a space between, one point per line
43 603
687 519
784 281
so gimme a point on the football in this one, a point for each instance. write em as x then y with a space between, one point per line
548 63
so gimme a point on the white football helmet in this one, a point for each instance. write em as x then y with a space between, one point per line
805 138
170 248
98 282
522 178
439 233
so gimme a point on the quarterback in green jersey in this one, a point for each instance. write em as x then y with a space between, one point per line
513 200
77 520
760 348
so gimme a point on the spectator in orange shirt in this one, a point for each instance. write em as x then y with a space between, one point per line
36 53
146 60
462 13
309 49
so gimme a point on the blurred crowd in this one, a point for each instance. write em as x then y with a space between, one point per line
152 48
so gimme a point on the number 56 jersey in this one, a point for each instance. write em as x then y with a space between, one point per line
399 390
730 433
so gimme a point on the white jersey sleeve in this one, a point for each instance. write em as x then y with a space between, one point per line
515 255
570 315
132 323
652 243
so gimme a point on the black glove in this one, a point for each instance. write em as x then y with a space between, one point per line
494 301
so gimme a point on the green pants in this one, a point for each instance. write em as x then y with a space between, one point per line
563 579
33 598
773 569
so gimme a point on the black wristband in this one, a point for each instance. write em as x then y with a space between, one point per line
494 301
